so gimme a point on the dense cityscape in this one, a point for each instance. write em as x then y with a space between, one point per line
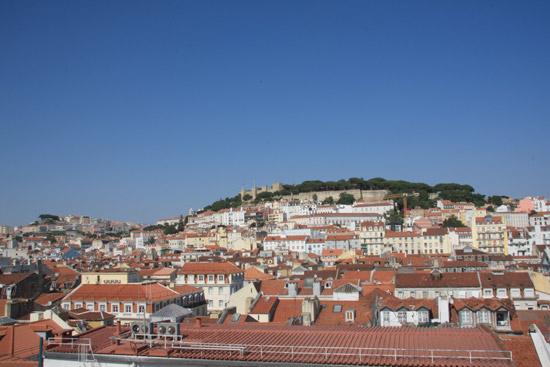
364 272
280 183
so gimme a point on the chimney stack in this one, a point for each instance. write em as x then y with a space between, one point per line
197 322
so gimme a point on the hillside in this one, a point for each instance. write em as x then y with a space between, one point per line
446 191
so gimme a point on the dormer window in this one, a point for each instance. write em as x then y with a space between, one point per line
350 316
402 317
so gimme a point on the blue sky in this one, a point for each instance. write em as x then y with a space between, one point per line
137 110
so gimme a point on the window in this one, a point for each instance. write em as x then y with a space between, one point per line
220 278
350 315
200 278
529 292
220 303
66 306
78 305
515 293
127 307
220 290
102 307
487 292
501 292
337 308
211 278
90 306
386 317
483 317
465 317
423 317
114 307
210 303
141 308
402 317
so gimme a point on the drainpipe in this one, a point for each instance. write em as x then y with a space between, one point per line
12 345
41 353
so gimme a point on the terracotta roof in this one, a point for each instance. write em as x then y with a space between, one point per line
428 280
264 305
84 314
253 273
157 272
522 348
210 268
328 345
506 280
121 292
45 298
13 278
475 304
287 308
186 289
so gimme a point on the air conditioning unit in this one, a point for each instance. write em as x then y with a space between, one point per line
140 328
168 328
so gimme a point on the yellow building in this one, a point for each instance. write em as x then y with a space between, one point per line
112 276
489 234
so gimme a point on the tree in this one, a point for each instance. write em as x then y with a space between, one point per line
495 200
452 222
170 229
49 217
490 208
328 201
394 219
346 199
247 197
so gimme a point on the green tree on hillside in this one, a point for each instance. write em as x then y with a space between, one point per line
453 222
346 199
328 201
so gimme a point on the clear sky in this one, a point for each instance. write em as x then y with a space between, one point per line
137 110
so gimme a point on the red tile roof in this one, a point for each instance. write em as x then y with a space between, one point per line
265 305
428 280
121 292
186 289
252 273
45 298
506 280
210 268
329 345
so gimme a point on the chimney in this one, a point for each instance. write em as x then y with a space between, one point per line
443 309
292 289
316 288
197 322
310 309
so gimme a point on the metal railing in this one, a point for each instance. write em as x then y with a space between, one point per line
295 351
81 346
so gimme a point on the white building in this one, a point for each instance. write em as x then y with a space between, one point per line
218 280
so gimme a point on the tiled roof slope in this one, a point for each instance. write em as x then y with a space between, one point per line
445 280
210 268
121 292
337 346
